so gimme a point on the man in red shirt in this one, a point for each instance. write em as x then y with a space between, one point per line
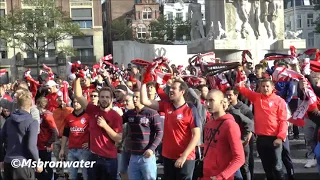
53 95
77 132
105 128
270 125
181 131
47 136
222 141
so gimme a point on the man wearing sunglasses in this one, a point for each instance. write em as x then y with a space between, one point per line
94 97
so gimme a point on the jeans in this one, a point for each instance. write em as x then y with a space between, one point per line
124 161
104 168
286 159
238 175
141 168
47 172
12 173
251 156
245 171
310 135
78 155
173 173
270 156
317 152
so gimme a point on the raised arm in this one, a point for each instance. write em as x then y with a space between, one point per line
146 101
78 94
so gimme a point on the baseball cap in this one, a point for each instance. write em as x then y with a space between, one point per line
51 83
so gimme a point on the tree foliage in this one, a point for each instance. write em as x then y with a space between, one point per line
317 22
33 30
121 30
164 31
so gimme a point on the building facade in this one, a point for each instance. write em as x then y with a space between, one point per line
179 9
145 11
115 10
301 15
89 48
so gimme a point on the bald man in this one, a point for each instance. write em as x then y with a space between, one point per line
223 150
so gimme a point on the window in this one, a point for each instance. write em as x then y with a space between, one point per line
309 20
187 16
179 16
299 21
310 40
51 53
3 54
147 13
86 41
81 13
141 31
84 23
170 16
30 55
2 12
85 52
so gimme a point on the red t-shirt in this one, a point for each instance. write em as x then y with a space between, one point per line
100 143
79 130
52 101
177 129
47 125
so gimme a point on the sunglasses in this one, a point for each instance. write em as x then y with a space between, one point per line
93 95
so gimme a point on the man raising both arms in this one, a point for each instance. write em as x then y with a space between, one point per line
181 131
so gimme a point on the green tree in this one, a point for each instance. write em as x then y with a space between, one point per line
317 22
33 30
162 31
183 29
121 30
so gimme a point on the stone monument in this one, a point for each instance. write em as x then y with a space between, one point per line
195 15
254 25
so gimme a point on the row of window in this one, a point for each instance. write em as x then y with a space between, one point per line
299 21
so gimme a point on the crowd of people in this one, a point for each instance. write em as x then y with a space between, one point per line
129 125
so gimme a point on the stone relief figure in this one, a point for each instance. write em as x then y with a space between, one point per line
269 15
292 34
254 14
221 33
243 15
194 13
210 34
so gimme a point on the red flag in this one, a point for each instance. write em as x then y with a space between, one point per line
107 58
3 72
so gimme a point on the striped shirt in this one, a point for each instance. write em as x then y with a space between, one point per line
146 130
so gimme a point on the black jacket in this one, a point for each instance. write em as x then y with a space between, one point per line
244 109
245 124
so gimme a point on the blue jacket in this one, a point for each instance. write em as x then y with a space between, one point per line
285 90
20 133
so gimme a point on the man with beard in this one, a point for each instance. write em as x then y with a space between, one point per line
181 131
105 128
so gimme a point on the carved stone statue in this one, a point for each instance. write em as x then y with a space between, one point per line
293 34
194 13
243 15
221 33
254 13
210 34
269 14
